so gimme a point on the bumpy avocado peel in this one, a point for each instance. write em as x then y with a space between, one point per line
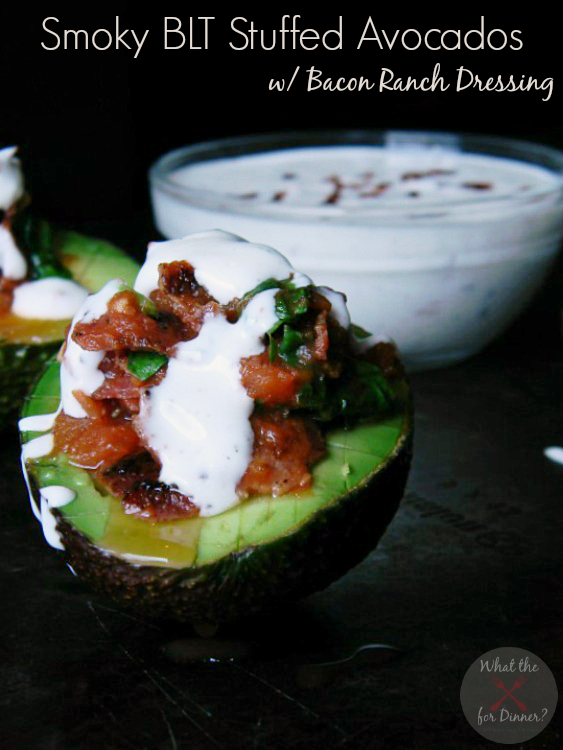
264 551
91 263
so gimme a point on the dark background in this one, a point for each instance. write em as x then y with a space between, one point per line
77 673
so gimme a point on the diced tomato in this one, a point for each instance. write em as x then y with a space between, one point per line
94 443
272 383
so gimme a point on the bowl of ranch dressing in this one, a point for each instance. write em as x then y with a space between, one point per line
438 239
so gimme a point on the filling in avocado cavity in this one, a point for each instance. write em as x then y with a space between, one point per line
223 378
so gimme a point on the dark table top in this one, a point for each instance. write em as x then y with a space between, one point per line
471 562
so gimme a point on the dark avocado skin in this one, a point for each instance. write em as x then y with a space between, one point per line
337 538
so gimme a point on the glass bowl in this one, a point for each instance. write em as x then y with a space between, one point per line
439 240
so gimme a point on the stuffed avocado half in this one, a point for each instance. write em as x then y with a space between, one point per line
45 275
218 437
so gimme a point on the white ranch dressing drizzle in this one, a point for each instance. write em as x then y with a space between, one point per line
338 309
39 422
50 497
36 448
52 298
12 262
53 497
11 178
79 368
197 419
225 264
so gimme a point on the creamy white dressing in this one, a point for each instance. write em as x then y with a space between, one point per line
141 559
53 497
52 298
12 263
338 309
79 368
36 448
347 179
197 419
225 264
39 422
11 178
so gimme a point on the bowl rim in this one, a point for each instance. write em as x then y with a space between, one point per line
534 154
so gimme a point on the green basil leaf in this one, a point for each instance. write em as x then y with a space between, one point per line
361 392
290 342
143 365
291 303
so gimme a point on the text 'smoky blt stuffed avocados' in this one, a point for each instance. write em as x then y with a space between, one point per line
45 275
218 436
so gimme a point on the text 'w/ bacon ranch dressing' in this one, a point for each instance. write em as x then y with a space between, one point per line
437 240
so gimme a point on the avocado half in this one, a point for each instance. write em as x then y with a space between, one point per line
264 551
25 344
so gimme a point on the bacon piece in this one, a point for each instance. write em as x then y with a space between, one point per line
119 384
179 294
125 326
284 450
125 475
156 501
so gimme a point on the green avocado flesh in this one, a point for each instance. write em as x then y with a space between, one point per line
26 345
353 458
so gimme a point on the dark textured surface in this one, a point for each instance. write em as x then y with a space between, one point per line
471 562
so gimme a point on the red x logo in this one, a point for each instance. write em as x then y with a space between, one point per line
498 682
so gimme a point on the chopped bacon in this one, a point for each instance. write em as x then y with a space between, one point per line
320 349
125 475
135 479
126 327
179 294
120 384
285 448
156 501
